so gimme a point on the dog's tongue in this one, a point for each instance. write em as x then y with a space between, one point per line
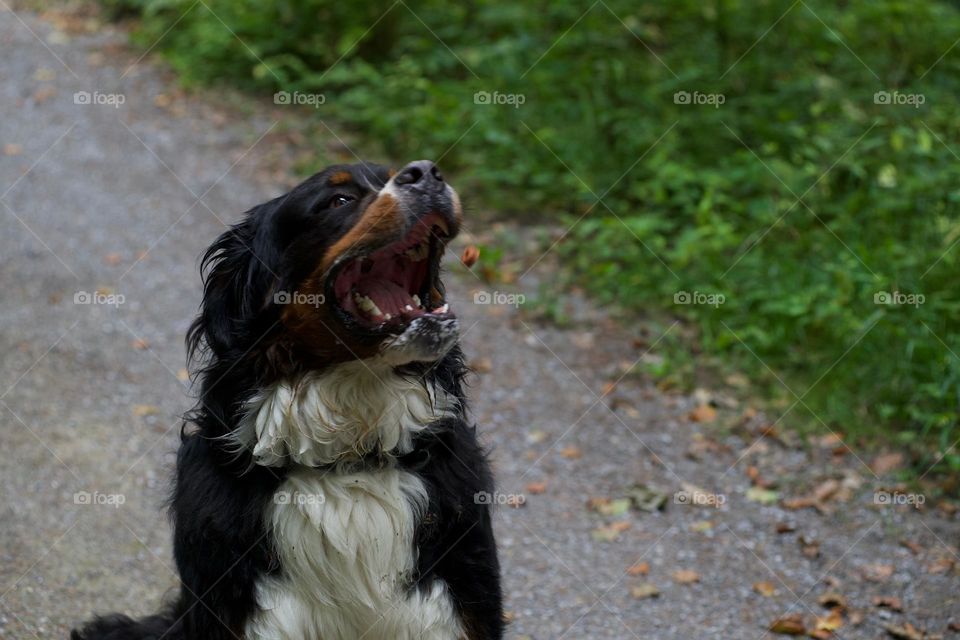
389 297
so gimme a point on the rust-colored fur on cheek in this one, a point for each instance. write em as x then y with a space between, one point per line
381 223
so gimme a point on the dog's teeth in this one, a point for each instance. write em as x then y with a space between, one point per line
388 317
442 309
408 308
416 300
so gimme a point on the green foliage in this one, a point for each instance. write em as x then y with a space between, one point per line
798 198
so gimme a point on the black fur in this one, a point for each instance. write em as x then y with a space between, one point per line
221 546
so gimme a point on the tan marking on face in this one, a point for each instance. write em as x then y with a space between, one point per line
391 173
340 177
380 223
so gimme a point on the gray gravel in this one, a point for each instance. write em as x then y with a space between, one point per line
90 396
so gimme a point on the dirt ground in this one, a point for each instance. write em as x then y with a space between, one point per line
107 202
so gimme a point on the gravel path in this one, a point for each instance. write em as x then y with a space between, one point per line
115 203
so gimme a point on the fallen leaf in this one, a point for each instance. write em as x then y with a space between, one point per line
906 632
686 576
766 589
616 507
639 569
830 622
791 625
12 149
647 498
112 259
809 548
536 488
703 413
913 546
644 591
480 365
877 572
888 602
571 452
832 600
141 410
701 526
786 527
943 565
886 462
610 532
762 496
470 256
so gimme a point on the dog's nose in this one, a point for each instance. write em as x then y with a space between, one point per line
422 175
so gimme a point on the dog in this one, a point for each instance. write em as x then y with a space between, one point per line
329 485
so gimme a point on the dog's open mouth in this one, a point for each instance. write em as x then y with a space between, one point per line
390 287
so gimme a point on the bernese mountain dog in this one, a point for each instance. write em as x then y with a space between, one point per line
329 485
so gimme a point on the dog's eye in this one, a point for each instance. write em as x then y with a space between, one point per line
339 200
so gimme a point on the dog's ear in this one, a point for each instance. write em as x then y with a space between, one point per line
237 282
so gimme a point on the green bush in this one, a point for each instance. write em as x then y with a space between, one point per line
695 197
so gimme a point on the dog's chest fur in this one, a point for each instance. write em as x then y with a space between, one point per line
345 537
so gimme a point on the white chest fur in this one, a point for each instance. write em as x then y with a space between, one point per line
345 542
338 414
345 539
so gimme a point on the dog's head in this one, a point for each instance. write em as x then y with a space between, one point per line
345 266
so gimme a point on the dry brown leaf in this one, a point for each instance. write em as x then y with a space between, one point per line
643 591
536 488
877 572
786 527
686 576
888 602
470 256
141 410
766 589
480 365
886 462
791 625
640 568
914 547
830 622
906 632
833 600
703 413
571 452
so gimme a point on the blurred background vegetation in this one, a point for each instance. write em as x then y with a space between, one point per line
799 198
